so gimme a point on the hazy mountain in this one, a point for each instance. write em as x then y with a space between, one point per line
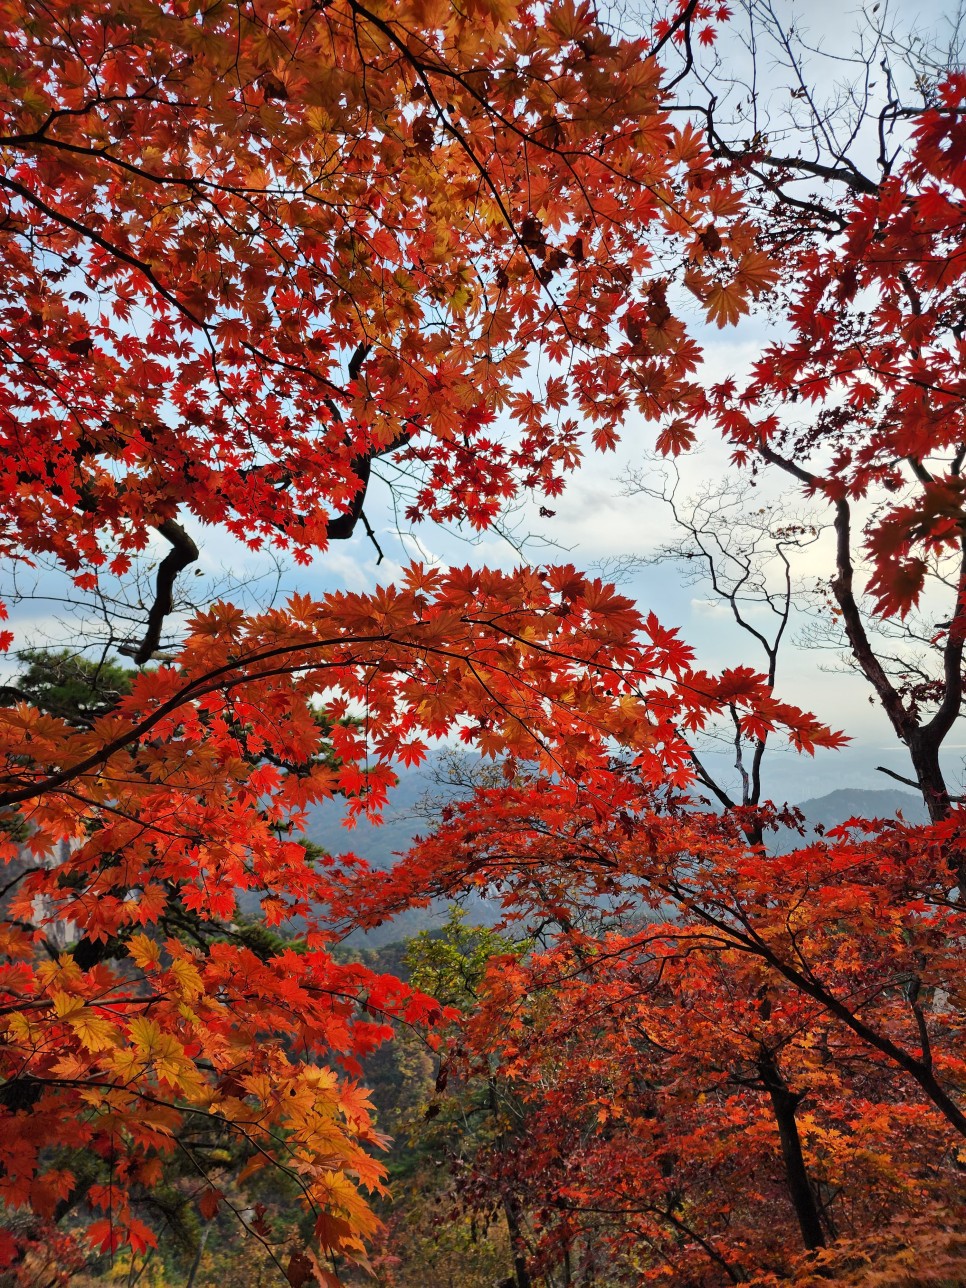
849 802
382 844
378 843
408 814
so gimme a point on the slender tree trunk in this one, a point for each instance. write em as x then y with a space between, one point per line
198 1255
512 1210
567 1273
518 1247
784 1103
590 1266
924 748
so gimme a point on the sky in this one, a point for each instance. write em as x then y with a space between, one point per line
597 524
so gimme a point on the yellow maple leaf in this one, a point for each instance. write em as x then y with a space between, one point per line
19 1028
64 1004
145 1034
143 952
187 978
94 1031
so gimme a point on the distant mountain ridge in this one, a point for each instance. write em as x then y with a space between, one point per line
860 802
381 844
849 802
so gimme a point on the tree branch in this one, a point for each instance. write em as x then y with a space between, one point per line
909 782
183 552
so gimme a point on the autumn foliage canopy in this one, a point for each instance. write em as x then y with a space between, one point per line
253 255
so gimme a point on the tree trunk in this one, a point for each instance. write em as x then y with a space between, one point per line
924 753
924 750
784 1103
518 1247
198 1255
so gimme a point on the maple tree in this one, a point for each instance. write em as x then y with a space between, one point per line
252 251
891 371
704 1030
858 401
710 1030
249 252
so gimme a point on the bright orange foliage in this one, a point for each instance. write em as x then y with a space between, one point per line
725 1065
250 248
721 1059
247 250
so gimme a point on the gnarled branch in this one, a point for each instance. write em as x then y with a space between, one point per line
182 553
